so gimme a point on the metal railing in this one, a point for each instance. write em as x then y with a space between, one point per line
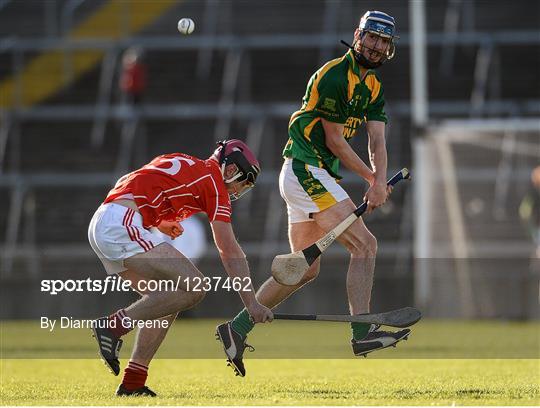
22 205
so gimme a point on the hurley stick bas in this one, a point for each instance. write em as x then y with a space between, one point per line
404 317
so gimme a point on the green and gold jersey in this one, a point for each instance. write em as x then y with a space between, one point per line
337 93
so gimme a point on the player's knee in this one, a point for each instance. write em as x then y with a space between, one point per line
371 245
182 300
197 297
169 302
362 246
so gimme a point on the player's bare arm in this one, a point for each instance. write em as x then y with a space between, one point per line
378 191
235 263
341 149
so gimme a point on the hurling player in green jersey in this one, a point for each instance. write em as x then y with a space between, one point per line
341 95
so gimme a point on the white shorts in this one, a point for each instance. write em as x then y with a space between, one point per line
307 189
116 233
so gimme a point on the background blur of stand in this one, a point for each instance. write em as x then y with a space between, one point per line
450 242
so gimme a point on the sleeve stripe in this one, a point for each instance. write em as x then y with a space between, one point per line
151 206
314 92
199 179
171 189
374 86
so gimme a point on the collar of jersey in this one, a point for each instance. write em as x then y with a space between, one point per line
361 73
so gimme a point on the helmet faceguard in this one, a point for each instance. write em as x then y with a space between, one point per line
238 153
240 188
383 26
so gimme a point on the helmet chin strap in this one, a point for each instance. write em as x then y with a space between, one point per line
233 178
236 195
363 61
222 169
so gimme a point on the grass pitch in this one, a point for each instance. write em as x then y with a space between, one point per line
407 379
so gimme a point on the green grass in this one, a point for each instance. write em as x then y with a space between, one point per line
333 381
281 382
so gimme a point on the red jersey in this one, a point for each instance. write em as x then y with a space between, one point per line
174 187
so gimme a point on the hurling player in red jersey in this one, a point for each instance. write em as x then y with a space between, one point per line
167 190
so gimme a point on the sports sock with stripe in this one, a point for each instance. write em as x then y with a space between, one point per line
118 322
134 376
360 330
242 323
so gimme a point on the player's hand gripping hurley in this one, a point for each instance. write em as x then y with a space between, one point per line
289 269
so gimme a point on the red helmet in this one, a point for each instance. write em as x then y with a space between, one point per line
236 152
